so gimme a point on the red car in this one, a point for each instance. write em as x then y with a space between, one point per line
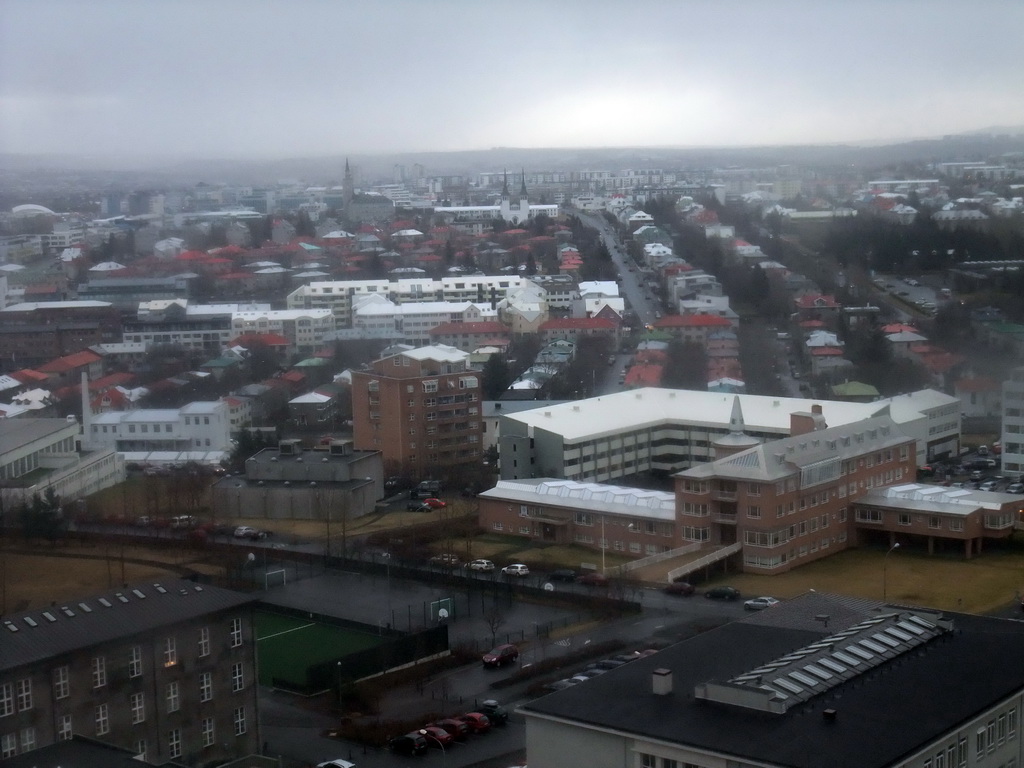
436 736
477 722
435 503
501 655
593 579
457 729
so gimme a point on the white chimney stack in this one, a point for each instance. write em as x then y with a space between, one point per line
661 681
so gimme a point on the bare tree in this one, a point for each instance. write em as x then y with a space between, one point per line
495 620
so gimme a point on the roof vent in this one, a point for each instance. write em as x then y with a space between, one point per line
30 621
829 715
661 681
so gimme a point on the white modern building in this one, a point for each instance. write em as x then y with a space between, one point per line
41 454
305 329
378 318
605 438
1013 424
341 296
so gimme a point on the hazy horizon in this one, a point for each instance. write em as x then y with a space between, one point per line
307 78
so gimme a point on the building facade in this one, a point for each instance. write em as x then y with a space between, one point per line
1013 423
421 409
165 670
800 686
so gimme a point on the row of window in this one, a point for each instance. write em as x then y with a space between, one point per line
9 742
18 696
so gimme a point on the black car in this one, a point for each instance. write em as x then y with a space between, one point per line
496 713
562 574
410 744
722 593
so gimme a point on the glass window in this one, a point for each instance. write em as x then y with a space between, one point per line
102 719
99 671
208 732
64 729
236 633
138 707
237 677
170 652
239 717
174 742
135 661
173 696
24 694
206 686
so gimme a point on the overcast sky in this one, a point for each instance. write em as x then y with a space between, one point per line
286 78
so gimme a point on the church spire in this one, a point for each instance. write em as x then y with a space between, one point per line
522 189
504 186
736 425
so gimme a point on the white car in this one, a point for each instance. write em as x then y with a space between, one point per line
339 763
516 569
481 565
760 603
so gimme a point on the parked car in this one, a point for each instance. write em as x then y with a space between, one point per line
593 579
477 722
608 664
501 655
722 593
485 566
435 503
681 588
1015 488
339 763
562 574
760 603
496 713
418 506
436 737
516 569
988 485
248 532
458 729
446 559
143 522
413 743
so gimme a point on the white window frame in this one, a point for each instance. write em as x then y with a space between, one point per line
238 716
61 682
204 641
206 686
174 742
237 677
102 717
137 704
135 661
208 732
173 696
236 632
65 729
170 651
99 671
24 690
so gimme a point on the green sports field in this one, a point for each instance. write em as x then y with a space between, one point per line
288 645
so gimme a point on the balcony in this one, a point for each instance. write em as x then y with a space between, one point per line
719 495
728 518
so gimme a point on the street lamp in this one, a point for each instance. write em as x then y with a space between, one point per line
603 544
885 571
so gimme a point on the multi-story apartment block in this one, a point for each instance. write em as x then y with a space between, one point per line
421 409
32 333
305 329
342 296
165 670
787 502
1012 437
413 322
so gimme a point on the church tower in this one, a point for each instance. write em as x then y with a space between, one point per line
348 188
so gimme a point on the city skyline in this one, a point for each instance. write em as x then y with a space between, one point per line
275 79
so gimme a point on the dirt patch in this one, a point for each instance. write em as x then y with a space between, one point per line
35 579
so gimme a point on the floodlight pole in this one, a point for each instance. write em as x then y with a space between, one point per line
604 545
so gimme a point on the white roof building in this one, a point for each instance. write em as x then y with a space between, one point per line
603 438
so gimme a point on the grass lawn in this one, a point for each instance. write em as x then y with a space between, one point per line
984 584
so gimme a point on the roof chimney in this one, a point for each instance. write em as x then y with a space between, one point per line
816 408
829 715
661 681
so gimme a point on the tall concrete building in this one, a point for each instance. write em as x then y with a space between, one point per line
1013 423
421 409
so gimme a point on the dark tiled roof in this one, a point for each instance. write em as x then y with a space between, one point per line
881 717
109 617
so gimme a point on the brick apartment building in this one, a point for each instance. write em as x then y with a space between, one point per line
421 409
165 670
787 502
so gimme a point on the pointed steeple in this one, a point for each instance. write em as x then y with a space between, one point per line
737 440
522 189
736 425
504 186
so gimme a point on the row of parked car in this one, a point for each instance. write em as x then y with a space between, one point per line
721 592
442 733
598 668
